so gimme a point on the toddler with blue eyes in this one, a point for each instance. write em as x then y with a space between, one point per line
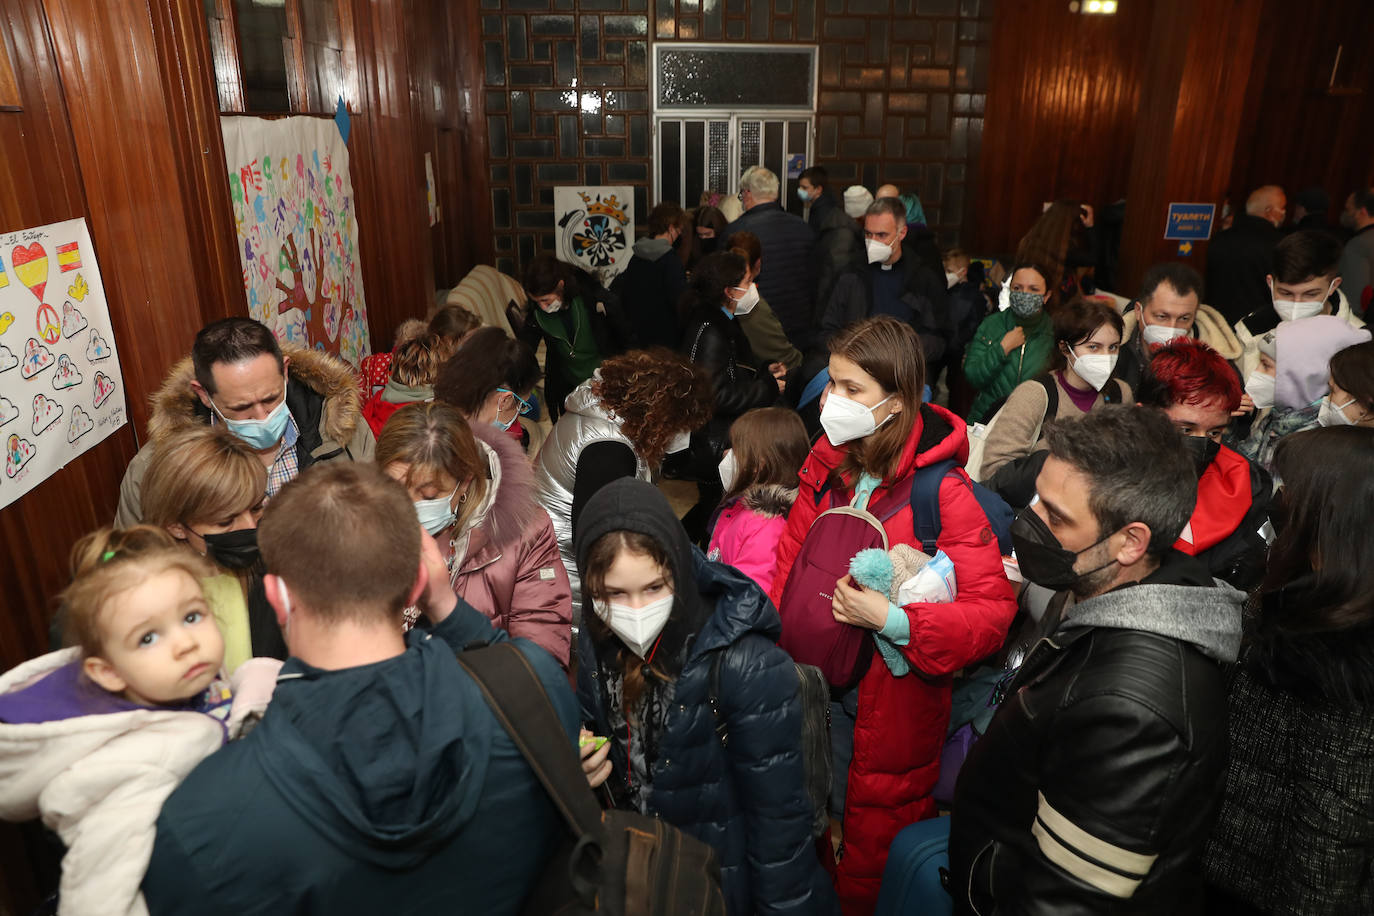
94 737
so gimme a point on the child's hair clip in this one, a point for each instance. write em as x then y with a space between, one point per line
107 556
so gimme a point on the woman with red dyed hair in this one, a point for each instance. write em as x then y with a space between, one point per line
1197 388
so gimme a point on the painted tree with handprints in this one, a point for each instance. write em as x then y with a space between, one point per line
298 296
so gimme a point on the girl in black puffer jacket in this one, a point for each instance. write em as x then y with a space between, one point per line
657 615
1296 830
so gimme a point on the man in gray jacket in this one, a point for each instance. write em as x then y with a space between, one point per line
1357 259
1097 782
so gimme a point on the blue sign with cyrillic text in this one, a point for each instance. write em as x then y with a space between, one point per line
1191 222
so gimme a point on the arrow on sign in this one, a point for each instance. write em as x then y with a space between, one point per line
1185 248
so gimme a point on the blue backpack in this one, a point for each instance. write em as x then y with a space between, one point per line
925 505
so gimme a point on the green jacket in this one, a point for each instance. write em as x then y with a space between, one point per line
994 373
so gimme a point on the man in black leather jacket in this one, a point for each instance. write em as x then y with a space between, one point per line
1096 784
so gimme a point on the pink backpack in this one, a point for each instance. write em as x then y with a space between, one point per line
810 632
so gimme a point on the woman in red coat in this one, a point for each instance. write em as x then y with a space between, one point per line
877 434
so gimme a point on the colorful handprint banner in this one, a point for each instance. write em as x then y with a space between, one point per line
297 227
61 390
595 228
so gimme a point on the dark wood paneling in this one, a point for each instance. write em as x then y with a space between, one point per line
1296 133
1191 109
1061 113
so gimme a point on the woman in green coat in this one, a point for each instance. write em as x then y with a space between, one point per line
1013 345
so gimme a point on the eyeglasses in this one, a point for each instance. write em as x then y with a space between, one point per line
526 408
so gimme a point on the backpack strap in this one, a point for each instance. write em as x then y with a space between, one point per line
1111 392
925 502
517 698
814 388
1051 395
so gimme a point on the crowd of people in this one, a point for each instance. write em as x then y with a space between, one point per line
1075 579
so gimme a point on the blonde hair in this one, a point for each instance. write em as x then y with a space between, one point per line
434 438
205 474
107 563
407 331
417 362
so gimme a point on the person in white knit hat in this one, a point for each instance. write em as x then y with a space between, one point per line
856 200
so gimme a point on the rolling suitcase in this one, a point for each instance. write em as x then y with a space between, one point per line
917 866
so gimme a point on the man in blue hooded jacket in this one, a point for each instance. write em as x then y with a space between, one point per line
379 781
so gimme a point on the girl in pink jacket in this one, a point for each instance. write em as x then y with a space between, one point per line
759 473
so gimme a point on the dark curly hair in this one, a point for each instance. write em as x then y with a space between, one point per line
656 394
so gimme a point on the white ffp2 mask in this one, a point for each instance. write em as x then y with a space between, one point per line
636 627
845 420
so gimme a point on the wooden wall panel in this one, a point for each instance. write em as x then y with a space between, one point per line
1295 132
1061 113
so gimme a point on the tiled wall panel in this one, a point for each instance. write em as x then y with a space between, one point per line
903 86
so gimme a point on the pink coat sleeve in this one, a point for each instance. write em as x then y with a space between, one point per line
541 602
946 637
749 542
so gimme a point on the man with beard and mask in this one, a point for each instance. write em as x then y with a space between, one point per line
1097 781
1304 281
892 282
1228 531
293 407
1168 308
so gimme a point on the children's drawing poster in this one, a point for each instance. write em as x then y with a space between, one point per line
61 390
595 228
298 231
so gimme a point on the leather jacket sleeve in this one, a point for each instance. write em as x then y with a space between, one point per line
736 392
1102 818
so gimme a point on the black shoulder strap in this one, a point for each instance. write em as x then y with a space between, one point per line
516 696
1051 395
1111 392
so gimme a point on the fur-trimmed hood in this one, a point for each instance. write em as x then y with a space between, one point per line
772 500
1208 326
175 406
509 506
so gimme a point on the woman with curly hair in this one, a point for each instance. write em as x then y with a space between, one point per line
619 423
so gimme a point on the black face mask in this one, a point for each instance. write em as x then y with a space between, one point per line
1202 449
233 549
1042 559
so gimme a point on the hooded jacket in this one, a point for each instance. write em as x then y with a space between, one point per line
649 289
321 395
390 399
1095 785
585 422
1262 320
747 799
747 531
839 247
601 314
98 775
384 788
511 570
1296 831
902 721
1208 327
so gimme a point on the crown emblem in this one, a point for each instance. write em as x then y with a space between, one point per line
609 207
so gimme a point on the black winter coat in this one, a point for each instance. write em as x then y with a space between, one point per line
788 279
747 799
1096 784
649 290
922 292
839 249
1296 830
1237 263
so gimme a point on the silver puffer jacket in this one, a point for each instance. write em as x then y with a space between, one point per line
584 422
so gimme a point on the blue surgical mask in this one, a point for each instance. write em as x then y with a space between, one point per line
523 410
802 195
259 434
436 514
